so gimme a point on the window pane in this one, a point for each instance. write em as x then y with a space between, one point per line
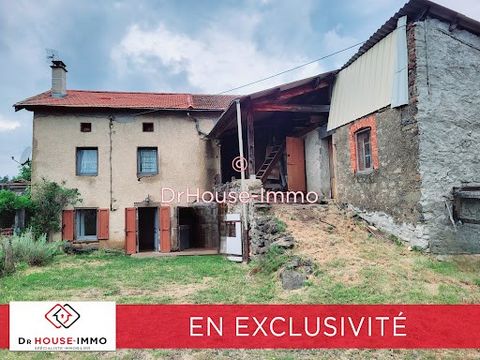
87 161
86 224
360 153
367 153
364 157
148 161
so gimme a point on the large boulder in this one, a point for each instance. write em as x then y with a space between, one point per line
292 279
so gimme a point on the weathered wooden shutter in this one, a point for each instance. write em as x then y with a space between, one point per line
68 222
103 216
165 229
130 231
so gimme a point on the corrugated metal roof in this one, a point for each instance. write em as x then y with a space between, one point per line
414 10
365 86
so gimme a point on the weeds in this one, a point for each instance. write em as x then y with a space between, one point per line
281 226
271 261
35 252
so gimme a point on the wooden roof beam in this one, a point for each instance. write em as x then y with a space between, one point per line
286 95
313 109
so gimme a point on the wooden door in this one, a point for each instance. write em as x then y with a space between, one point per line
295 164
130 231
165 229
331 164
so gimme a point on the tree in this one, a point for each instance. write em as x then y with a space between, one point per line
4 179
10 202
48 201
24 172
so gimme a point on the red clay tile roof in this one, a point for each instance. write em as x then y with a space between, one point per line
128 100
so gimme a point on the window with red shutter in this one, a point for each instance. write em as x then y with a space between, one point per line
103 224
68 217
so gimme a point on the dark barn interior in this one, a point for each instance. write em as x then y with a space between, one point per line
269 118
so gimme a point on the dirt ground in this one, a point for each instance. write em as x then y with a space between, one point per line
345 246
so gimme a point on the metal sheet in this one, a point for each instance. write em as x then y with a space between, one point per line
400 79
365 86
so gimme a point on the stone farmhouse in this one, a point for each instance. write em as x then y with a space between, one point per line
394 134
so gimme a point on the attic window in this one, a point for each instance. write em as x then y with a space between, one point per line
85 127
147 127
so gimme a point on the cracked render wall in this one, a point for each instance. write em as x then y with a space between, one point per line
448 117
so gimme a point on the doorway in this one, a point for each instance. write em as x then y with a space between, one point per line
295 149
147 229
198 227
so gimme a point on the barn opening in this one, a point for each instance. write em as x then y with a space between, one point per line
147 229
198 228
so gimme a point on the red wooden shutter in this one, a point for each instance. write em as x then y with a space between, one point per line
130 231
103 216
67 224
165 229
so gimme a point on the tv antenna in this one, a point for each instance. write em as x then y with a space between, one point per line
52 55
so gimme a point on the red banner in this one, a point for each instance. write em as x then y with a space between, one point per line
291 326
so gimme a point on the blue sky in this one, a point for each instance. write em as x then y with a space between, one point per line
172 46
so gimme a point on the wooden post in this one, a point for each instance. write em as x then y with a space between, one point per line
250 143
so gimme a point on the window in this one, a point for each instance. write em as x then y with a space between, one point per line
86 223
147 127
87 161
364 154
85 127
147 161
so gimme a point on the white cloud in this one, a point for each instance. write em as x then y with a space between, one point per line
334 40
470 8
8 125
212 61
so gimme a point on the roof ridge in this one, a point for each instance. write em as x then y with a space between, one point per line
145 93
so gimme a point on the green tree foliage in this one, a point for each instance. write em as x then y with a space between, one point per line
11 202
24 172
48 200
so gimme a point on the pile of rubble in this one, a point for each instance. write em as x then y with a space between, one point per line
266 230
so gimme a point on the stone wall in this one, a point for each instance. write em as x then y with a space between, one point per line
448 86
388 196
264 228
317 164
393 188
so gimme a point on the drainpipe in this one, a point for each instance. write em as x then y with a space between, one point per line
242 176
202 134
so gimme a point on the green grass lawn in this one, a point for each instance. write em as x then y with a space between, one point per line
213 279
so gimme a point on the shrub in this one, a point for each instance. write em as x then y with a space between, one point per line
7 265
2 256
49 199
273 259
35 252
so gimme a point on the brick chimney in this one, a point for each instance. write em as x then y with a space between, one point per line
59 79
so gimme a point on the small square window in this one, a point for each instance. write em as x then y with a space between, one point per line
148 127
364 153
87 161
85 127
147 161
86 224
